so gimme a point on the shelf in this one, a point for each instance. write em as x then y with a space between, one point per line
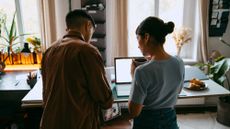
221 10
98 42
98 35
96 8
22 67
97 15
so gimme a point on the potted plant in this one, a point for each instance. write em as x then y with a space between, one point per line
10 36
37 53
2 22
216 69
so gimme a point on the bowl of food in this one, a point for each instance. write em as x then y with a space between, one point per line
195 84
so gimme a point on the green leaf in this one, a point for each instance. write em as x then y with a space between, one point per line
12 28
221 69
219 58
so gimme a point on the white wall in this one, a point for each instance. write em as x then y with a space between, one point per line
61 9
76 4
215 44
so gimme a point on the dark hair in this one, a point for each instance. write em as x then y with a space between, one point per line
77 17
155 27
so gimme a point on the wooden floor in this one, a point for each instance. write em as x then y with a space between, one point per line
118 124
206 120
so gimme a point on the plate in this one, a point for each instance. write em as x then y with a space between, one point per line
186 86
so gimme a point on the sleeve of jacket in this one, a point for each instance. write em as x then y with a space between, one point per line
93 67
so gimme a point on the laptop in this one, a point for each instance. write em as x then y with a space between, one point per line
123 79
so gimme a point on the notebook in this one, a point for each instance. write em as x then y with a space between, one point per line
123 79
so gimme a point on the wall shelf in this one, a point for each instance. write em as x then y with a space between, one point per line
96 8
218 17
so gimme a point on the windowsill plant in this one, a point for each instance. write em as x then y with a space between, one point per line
10 36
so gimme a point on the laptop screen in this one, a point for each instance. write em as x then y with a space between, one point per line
122 68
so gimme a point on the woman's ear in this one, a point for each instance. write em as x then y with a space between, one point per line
146 38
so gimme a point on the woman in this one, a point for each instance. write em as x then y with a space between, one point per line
156 84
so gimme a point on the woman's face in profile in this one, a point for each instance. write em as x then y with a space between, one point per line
141 45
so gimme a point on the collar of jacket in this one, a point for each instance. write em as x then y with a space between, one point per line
75 34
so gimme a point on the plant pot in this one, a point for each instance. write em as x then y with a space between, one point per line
2 67
223 112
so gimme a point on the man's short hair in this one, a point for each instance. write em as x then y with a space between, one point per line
77 18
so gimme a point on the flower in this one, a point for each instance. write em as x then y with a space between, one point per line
181 36
36 42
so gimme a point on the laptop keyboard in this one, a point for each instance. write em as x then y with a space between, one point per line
123 89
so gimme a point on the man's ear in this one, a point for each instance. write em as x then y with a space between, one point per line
88 25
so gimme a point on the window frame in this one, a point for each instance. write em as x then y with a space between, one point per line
190 19
19 21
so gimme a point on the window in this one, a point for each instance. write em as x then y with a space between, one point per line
181 12
27 18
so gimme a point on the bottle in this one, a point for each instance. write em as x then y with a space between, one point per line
26 56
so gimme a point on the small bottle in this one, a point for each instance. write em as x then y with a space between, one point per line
26 55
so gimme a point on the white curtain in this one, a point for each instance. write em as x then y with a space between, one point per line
116 30
48 26
203 12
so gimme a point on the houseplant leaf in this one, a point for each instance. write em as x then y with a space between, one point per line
219 70
12 33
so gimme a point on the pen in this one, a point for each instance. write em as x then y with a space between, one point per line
16 83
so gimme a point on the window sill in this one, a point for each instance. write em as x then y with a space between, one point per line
188 61
22 67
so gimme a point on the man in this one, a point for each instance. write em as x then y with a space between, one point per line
75 87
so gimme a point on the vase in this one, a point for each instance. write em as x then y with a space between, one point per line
223 111
39 57
16 58
178 51
2 67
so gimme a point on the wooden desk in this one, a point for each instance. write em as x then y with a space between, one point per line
13 87
14 81
34 97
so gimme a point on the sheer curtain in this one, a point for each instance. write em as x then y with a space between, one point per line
203 11
48 26
116 30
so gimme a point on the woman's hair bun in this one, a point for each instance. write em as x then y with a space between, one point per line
169 27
